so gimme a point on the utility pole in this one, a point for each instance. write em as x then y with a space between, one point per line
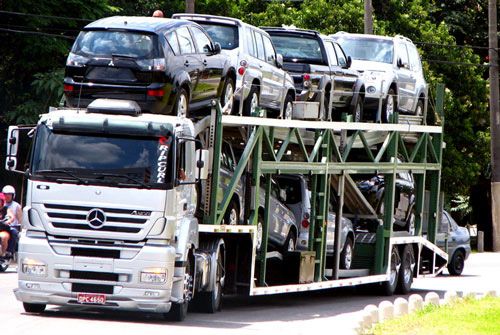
494 123
190 6
368 17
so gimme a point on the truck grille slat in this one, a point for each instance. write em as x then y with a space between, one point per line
87 227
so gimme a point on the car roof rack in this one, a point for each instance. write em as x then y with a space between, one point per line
291 28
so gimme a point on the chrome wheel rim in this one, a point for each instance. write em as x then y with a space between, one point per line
348 256
357 113
228 93
233 217
259 235
389 108
419 111
254 103
291 245
182 106
288 110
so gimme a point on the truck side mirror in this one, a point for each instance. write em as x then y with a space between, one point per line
349 62
202 164
12 146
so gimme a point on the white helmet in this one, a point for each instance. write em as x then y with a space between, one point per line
9 189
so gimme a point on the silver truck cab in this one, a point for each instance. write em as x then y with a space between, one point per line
255 67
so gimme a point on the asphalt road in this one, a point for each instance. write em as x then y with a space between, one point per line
334 311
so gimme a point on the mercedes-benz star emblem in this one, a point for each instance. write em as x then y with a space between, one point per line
96 218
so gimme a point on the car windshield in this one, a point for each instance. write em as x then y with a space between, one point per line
226 36
298 49
370 49
108 43
117 160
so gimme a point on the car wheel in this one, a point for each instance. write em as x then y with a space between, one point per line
346 255
4 264
288 107
227 92
357 114
34 308
389 287
232 214
390 106
419 110
178 311
210 302
260 231
251 102
182 104
405 277
290 242
456 266
410 224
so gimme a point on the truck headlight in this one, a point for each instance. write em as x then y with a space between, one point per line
154 275
34 268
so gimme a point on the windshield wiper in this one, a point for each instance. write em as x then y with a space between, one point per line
118 175
66 172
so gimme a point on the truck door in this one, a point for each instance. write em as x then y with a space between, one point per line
266 89
404 80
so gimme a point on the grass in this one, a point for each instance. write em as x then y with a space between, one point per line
468 317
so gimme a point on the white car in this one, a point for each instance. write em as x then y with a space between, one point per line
392 72
256 68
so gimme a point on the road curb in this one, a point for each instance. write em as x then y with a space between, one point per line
387 310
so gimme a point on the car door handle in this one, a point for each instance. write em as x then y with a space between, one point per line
186 63
338 73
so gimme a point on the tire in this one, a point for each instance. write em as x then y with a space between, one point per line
288 107
33 308
419 109
390 106
251 102
210 302
4 264
328 113
357 113
410 223
182 104
232 214
389 287
227 91
456 266
405 277
290 242
346 254
260 231
178 312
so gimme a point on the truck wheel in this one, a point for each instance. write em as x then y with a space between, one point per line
288 107
232 214
178 312
33 308
346 255
456 266
290 242
390 106
389 287
357 113
251 102
210 302
182 104
405 278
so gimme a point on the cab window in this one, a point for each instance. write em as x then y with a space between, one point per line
173 42
331 53
260 47
342 59
185 41
270 53
201 39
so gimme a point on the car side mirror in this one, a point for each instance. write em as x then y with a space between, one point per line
216 49
400 63
279 61
349 62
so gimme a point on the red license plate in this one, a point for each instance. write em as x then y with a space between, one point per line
89 298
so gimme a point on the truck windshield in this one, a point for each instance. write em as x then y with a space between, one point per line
123 161
370 49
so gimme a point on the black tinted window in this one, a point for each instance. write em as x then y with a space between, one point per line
226 36
108 43
298 48
185 41
201 39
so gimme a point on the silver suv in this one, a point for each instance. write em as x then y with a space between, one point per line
392 71
255 67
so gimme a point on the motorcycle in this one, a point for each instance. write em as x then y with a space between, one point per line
9 257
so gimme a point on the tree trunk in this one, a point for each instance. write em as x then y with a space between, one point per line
190 6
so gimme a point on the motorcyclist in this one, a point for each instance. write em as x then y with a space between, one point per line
5 230
10 193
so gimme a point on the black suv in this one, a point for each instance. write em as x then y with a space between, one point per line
315 61
166 66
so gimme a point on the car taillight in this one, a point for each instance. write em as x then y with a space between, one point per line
68 88
305 223
306 77
76 60
156 93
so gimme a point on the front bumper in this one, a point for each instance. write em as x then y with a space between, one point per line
128 293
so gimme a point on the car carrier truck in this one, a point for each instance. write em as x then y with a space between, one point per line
114 215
